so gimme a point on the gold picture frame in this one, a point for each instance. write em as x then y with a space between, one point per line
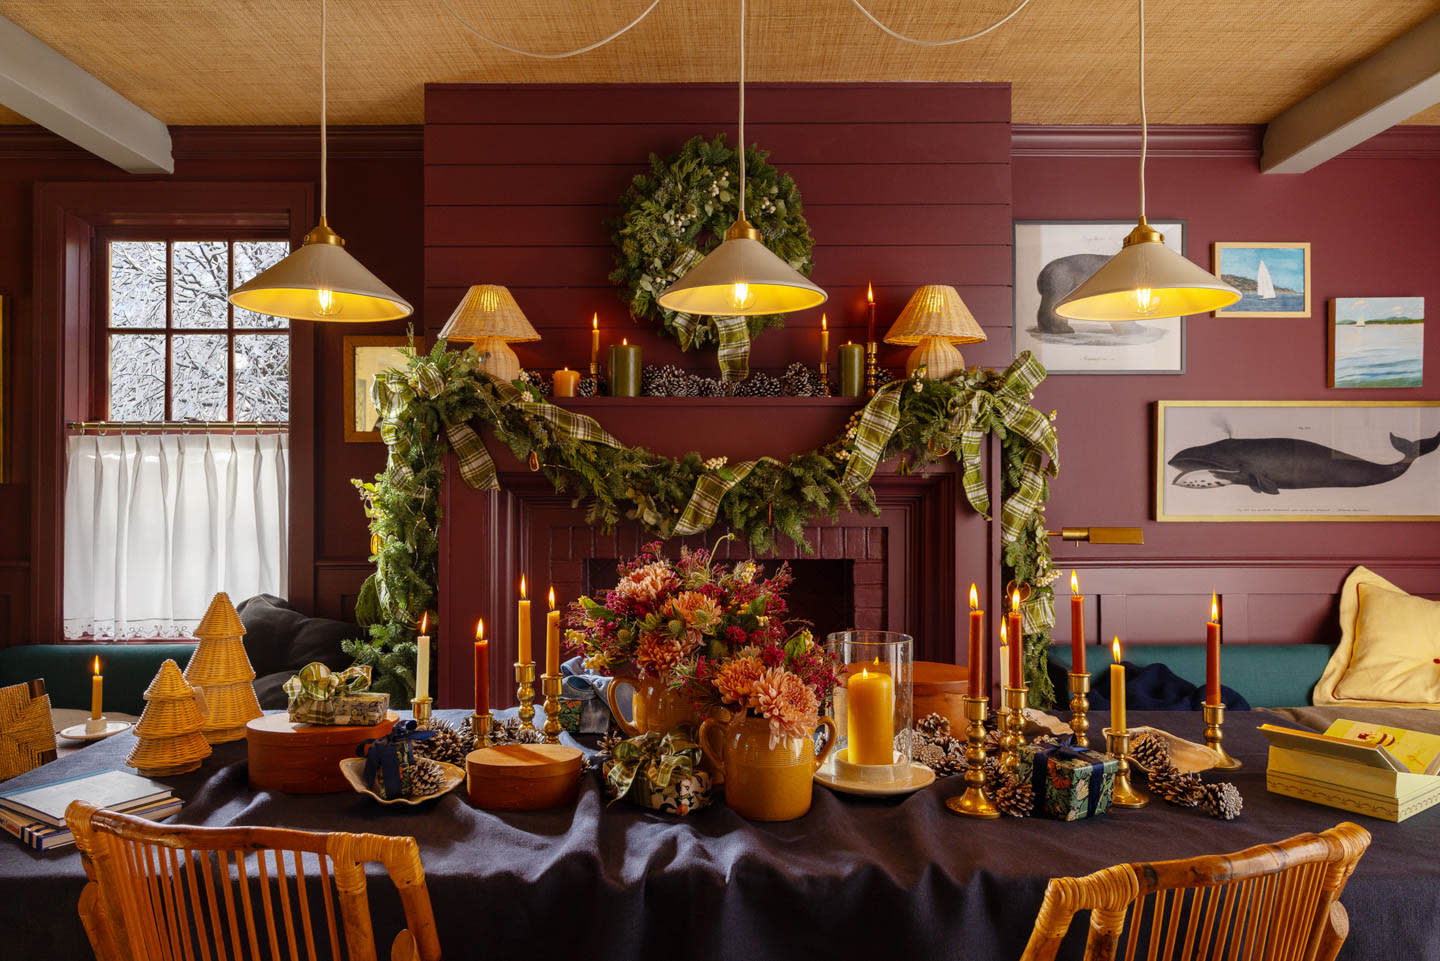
1289 460
364 357
1248 267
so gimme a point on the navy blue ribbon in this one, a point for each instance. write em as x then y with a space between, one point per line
1040 770
382 754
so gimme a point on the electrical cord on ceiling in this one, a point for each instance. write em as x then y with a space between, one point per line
324 152
551 56
742 110
1144 120
941 43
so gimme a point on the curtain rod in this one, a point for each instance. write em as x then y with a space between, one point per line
89 425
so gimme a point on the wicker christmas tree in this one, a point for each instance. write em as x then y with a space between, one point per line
220 666
168 732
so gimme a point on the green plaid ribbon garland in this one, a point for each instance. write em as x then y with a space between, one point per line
734 350
877 424
685 326
710 489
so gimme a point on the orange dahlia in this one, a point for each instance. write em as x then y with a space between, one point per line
735 680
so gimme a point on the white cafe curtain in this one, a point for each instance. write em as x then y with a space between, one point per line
155 524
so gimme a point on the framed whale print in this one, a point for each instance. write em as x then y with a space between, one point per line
1052 258
1273 279
1267 460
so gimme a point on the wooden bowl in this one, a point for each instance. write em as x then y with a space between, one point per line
304 758
940 689
354 770
523 777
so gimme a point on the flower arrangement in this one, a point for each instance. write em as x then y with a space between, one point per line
717 634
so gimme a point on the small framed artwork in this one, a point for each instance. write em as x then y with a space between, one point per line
365 357
1273 279
1052 258
1377 341
1297 460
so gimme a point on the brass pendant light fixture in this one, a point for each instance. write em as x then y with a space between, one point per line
321 281
1146 279
742 276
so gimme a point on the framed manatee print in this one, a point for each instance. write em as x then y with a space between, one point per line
1266 460
1052 258
1273 278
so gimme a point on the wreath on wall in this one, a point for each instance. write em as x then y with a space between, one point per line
675 214
431 404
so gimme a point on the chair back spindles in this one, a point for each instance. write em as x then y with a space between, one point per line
1272 902
160 893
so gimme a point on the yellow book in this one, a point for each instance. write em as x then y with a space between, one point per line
1358 775
1416 750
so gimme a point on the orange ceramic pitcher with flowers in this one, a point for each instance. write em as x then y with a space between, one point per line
764 781
654 707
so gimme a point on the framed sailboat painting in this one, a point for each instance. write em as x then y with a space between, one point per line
1273 279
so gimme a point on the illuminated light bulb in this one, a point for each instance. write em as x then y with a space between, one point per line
740 296
325 303
1145 300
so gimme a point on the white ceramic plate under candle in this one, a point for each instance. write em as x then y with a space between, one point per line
354 770
77 732
920 776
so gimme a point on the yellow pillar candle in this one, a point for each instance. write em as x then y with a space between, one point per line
1117 690
522 654
566 380
97 682
552 637
870 716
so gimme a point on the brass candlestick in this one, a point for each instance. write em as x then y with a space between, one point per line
825 376
974 803
1080 708
1014 724
1118 744
872 368
1214 718
525 693
483 727
550 689
420 709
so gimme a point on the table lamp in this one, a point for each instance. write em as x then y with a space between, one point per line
488 316
936 319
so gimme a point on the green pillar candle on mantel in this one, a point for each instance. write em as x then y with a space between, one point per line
852 370
625 369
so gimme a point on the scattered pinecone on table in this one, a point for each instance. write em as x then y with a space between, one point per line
1221 800
933 725
444 745
1012 796
423 777
1150 751
509 731
1169 783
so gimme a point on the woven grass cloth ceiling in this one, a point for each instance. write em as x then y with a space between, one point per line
1071 61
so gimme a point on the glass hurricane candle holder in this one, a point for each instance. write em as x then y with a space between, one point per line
874 707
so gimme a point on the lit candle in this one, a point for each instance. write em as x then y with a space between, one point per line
552 637
1117 690
566 380
422 658
1077 626
870 299
852 369
625 372
977 645
482 668
1017 642
1212 653
1004 663
824 339
97 681
595 339
870 716
522 654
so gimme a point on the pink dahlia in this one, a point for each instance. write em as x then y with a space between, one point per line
788 703
644 584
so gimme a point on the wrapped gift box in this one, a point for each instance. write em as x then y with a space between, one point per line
361 709
570 711
1070 783
681 796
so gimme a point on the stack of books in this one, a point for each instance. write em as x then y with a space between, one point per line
36 815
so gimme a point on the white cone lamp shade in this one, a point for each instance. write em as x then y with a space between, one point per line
1146 279
489 317
739 278
935 319
321 281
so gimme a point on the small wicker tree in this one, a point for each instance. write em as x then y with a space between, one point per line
168 732
221 667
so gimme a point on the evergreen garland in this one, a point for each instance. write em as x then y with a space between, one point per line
775 498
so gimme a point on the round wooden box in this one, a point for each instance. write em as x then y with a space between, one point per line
940 689
304 758
523 777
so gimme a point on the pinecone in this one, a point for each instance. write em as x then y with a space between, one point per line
1013 797
1175 787
933 725
954 756
1221 800
446 744
541 384
1150 751
509 731
992 740
608 740
586 388
423 777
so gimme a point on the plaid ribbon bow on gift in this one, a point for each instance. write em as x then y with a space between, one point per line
318 682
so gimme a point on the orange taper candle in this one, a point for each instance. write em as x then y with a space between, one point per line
522 648
97 699
977 645
1212 653
595 339
552 637
482 669
1117 690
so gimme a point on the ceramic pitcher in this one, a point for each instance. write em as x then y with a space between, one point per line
764 783
654 707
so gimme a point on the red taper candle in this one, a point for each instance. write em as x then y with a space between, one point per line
977 646
1017 642
1077 627
482 669
1212 653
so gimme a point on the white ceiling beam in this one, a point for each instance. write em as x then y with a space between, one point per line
38 83
1387 88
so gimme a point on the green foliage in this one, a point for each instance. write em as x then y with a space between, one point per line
682 206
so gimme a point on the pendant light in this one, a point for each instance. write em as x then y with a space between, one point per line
321 281
741 276
1146 279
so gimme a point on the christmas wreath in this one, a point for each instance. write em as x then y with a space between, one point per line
676 213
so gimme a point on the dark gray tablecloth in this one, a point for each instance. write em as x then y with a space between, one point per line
892 878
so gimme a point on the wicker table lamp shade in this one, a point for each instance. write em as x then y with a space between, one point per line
936 319
489 316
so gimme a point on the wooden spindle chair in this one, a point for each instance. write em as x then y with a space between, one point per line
163 893
1272 902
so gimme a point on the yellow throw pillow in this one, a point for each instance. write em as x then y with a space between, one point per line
1396 654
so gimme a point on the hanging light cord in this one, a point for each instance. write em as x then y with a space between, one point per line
324 148
550 56
1144 120
742 109
941 43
